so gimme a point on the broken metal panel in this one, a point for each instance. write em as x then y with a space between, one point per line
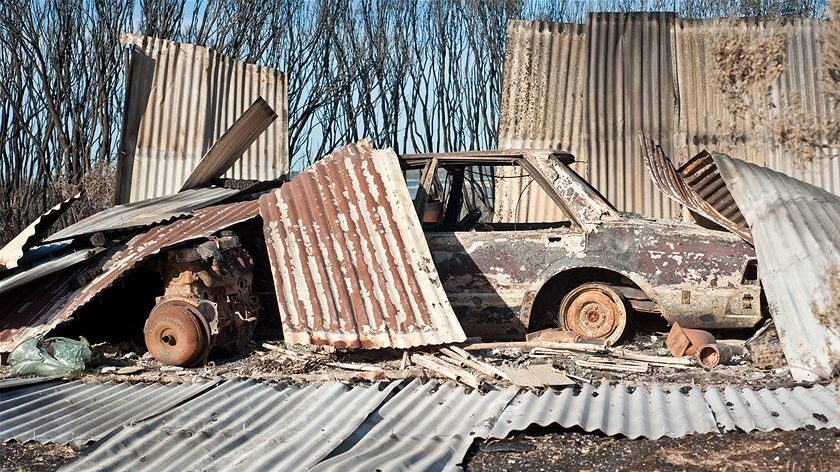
230 147
29 312
238 425
423 427
795 226
144 213
656 410
13 251
180 99
697 185
350 264
47 268
77 413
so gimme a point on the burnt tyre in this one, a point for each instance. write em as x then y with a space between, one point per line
594 310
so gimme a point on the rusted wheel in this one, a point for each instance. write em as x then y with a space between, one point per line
594 310
176 334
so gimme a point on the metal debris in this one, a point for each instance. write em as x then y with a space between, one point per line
246 426
11 253
78 413
350 264
537 375
231 145
686 342
657 410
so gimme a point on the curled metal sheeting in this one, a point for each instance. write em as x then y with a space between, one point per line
425 426
144 213
46 268
795 226
696 185
245 426
11 253
657 410
350 263
78 413
33 311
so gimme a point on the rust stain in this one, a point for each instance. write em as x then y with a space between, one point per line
351 267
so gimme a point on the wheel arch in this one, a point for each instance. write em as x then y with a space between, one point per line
555 284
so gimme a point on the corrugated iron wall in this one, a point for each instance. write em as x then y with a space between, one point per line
181 99
589 89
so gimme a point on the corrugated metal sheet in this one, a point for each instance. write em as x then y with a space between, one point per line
78 413
800 89
657 410
47 268
232 145
13 251
144 213
426 426
697 185
654 73
350 264
542 89
629 88
181 98
796 229
244 426
36 310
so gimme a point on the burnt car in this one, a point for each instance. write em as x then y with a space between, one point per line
580 264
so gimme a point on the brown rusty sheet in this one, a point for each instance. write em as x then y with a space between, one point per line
34 311
350 263
696 185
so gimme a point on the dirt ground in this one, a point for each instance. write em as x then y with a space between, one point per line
34 457
555 450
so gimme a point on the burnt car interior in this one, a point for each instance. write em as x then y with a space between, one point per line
460 195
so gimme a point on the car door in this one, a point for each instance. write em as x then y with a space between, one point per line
487 250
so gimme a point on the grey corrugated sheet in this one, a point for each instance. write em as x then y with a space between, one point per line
426 426
77 412
144 213
796 229
47 268
657 410
629 88
241 426
350 264
181 99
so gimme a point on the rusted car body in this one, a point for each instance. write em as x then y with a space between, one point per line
505 279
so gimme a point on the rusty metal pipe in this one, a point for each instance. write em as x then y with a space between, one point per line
714 354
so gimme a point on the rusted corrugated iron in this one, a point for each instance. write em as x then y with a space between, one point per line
11 253
230 147
36 310
590 88
350 264
795 226
181 98
696 185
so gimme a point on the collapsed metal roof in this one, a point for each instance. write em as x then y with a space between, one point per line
350 263
657 410
246 426
78 413
36 310
793 226
14 250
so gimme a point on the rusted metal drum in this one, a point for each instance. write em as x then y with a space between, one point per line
177 334
594 310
